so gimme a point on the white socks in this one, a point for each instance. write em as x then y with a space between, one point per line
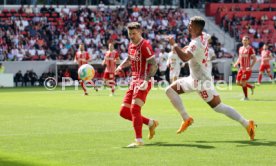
177 103
150 123
138 140
231 113
221 108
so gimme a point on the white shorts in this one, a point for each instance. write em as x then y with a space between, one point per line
205 89
174 73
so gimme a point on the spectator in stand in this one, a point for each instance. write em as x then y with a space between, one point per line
18 78
26 78
42 78
95 28
33 77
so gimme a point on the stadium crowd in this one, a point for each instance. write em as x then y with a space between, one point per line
54 33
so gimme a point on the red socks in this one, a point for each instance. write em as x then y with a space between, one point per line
244 88
134 114
260 78
137 119
125 113
83 86
111 84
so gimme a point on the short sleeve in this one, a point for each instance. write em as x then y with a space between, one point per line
147 51
252 52
87 56
116 55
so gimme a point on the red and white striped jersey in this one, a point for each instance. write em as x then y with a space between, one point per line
245 55
110 61
266 55
82 57
139 54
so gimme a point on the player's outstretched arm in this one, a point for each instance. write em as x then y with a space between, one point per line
254 61
152 68
182 53
270 56
237 62
124 64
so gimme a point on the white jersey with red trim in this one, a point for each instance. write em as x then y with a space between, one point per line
174 61
199 68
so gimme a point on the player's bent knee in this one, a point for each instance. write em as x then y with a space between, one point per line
175 87
124 111
138 102
214 102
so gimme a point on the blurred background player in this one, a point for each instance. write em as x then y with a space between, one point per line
196 54
266 56
246 54
162 64
211 56
83 57
143 67
174 65
110 59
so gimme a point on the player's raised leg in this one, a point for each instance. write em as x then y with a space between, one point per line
173 92
260 76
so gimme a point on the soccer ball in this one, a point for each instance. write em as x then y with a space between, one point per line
86 72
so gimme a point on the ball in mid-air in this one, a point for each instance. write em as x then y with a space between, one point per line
86 72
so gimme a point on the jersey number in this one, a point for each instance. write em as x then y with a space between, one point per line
204 94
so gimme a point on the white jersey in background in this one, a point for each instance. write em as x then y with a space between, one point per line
175 64
211 55
162 61
199 68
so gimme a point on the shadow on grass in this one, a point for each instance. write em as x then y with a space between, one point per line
256 142
268 100
7 162
165 144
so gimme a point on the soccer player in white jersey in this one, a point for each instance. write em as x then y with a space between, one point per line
174 64
162 64
196 54
211 57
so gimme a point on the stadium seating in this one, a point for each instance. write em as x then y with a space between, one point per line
255 20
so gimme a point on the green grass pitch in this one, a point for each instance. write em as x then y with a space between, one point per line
40 127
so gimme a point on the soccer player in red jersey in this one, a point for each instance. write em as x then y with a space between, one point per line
246 54
83 57
265 66
110 59
143 67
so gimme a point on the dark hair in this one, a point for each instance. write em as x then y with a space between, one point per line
198 21
247 37
133 25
